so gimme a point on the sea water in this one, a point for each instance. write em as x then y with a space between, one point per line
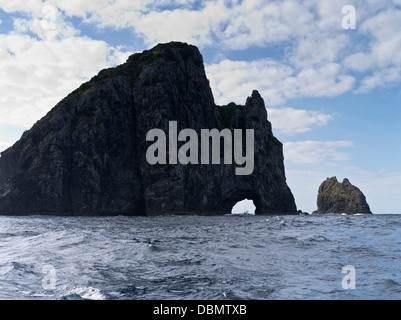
198 258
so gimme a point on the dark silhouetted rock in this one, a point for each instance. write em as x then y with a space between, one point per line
336 197
87 156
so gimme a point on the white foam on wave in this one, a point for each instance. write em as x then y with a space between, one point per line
89 293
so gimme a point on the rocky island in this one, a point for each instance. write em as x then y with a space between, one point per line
87 155
336 197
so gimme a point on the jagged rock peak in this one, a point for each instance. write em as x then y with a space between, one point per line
336 197
87 156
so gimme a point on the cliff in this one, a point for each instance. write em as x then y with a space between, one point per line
336 197
87 155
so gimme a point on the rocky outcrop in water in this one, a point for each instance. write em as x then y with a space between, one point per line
336 197
87 155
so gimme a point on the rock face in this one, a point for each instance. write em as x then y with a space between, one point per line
336 197
87 156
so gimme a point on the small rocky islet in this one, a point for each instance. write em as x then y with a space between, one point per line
341 197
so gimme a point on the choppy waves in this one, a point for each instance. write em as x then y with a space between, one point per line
255 257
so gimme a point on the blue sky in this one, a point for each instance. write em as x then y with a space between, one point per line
333 95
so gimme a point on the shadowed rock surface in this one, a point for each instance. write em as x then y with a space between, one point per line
336 197
87 156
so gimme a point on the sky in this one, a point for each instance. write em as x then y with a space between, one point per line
332 89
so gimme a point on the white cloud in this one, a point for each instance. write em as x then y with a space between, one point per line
384 29
306 54
31 7
313 152
234 24
277 82
37 72
234 80
179 25
360 62
382 59
380 78
316 47
40 73
290 121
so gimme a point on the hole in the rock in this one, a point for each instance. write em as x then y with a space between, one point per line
244 206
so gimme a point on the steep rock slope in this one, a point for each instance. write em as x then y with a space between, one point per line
87 155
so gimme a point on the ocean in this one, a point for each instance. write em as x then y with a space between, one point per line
331 257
